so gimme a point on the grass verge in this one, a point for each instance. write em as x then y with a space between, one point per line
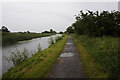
99 56
40 64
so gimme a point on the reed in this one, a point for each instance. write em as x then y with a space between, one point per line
10 38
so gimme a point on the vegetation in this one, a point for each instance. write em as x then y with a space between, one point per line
58 38
39 48
18 57
100 56
97 24
4 29
40 64
97 37
70 29
51 31
51 41
60 32
10 38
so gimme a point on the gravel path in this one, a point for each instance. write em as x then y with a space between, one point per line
68 64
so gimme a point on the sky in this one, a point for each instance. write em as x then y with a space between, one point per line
59 0
41 16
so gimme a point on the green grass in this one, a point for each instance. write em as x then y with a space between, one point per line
40 64
10 38
100 56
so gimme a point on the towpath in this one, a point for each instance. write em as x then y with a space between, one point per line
69 63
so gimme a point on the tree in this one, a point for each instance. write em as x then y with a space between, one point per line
70 29
60 32
4 29
46 32
51 30
28 31
97 24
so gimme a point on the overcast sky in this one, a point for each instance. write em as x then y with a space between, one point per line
41 16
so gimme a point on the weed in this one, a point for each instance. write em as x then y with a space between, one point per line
51 41
18 57
39 48
58 38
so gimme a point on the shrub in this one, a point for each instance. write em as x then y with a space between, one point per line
51 41
39 48
18 57
58 38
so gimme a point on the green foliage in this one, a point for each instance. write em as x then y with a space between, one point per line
105 51
58 38
60 32
51 41
51 31
10 38
70 30
98 24
5 29
18 57
39 48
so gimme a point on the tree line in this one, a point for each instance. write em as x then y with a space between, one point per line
97 24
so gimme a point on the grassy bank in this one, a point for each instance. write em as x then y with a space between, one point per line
40 64
100 56
10 38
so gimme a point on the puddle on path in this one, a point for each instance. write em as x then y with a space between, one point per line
69 43
66 55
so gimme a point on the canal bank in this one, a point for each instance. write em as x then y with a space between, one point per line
38 65
30 45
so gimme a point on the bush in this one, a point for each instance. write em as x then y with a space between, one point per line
18 57
58 38
51 41
39 48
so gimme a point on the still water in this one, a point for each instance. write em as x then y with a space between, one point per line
30 45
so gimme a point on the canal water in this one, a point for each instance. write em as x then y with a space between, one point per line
30 45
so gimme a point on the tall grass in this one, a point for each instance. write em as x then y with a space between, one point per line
105 51
18 57
58 38
10 38
54 40
51 41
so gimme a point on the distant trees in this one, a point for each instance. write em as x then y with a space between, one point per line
51 31
4 29
46 32
70 29
28 31
97 24
60 32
